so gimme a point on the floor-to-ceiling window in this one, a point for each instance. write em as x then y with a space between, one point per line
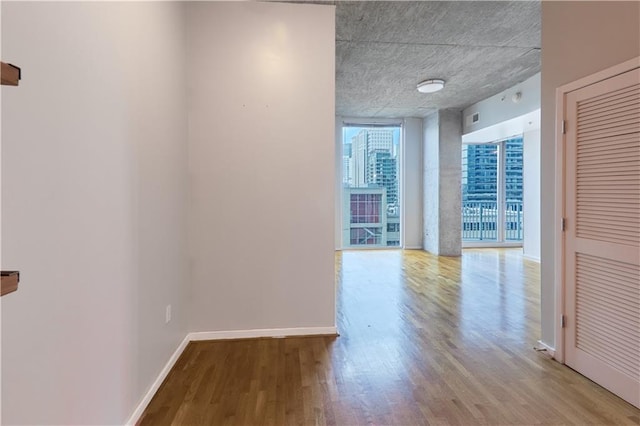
492 192
371 186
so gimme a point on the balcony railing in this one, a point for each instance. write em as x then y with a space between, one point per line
480 221
513 221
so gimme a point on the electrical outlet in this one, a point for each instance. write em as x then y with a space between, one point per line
167 314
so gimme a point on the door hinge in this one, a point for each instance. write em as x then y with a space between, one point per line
563 224
563 321
564 127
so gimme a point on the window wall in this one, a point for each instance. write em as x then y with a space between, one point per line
492 193
371 186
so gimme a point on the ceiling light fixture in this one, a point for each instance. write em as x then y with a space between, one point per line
430 86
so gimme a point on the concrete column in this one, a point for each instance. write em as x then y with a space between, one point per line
442 192
431 184
412 171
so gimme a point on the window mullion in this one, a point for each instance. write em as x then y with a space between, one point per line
501 198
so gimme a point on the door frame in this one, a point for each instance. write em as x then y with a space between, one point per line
560 180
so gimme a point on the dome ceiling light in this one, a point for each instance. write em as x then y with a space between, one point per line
430 86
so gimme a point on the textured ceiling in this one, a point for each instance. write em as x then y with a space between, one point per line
385 48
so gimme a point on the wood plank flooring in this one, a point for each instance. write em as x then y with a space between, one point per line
423 340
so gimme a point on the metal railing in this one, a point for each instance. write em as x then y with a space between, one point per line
513 221
480 221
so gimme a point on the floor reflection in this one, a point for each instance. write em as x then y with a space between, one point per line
410 318
423 340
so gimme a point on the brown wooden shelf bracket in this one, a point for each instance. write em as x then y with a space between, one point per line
10 74
10 281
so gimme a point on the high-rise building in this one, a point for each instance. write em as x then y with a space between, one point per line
480 172
365 217
382 171
485 208
347 165
365 143
346 149
347 161
513 170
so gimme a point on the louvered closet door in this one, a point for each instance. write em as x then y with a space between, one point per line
602 239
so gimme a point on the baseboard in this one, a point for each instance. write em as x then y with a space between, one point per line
533 258
543 346
264 332
156 384
490 244
413 248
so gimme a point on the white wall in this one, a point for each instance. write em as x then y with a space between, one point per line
572 49
502 107
412 177
505 129
94 175
531 194
262 159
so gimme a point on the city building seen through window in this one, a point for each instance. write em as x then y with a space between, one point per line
492 191
371 201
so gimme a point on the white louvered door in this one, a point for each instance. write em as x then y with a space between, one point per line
602 237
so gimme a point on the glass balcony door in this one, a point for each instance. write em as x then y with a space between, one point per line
492 193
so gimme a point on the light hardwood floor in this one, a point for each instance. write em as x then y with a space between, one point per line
423 340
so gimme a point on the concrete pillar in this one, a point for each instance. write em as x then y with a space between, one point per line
412 171
442 192
431 184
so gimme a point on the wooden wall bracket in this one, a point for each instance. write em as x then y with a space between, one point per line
10 74
10 281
